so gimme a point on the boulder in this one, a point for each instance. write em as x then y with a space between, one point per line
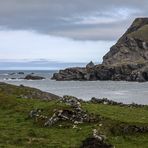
21 73
90 65
96 141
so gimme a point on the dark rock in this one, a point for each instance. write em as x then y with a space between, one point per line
128 129
13 78
90 65
13 73
31 77
21 85
21 73
70 74
92 142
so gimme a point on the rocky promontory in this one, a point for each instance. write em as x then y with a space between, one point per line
126 60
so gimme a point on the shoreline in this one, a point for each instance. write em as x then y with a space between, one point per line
95 100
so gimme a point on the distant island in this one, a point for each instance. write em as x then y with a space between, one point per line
127 59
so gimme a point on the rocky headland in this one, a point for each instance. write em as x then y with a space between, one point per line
127 59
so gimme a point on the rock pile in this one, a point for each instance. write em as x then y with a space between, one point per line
75 114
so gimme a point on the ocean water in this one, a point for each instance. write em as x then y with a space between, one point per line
120 91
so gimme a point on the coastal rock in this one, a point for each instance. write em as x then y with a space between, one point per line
127 59
90 65
21 73
132 47
32 77
70 74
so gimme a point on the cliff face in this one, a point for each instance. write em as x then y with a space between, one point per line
132 47
126 60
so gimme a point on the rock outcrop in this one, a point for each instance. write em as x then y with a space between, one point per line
132 47
32 77
126 60
90 65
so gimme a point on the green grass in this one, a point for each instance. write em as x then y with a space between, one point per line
17 130
141 33
123 114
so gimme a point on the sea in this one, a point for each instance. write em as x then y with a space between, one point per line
120 91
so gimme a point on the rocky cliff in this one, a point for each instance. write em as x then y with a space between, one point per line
126 60
132 47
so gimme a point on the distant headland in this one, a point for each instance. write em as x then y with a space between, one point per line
127 59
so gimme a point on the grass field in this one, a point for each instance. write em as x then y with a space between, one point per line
18 131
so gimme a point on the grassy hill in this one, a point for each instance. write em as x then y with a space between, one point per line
17 130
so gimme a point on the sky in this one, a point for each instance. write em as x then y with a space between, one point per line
64 30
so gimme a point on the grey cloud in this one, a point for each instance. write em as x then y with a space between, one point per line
66 17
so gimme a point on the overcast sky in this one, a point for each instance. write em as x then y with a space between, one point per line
64 30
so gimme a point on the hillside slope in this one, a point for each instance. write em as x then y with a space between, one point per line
132 47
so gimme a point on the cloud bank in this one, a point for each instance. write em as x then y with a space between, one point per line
76 19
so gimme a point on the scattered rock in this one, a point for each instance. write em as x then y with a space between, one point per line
128 129
111 102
